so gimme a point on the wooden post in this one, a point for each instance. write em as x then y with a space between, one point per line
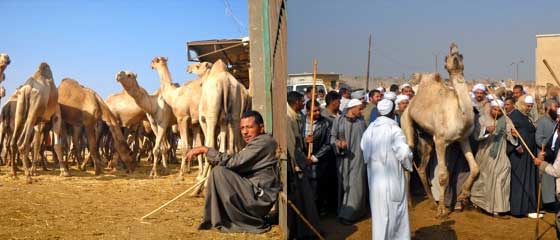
368 63
551 72
310 147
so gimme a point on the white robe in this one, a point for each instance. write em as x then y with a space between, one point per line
386 154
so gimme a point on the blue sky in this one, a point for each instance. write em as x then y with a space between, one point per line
91 41
406 33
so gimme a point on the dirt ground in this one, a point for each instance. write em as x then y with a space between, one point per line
109 206
468 224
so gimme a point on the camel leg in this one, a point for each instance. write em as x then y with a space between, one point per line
199 142
28 131
473 166
183 131
165 156
160 134
441 146
37 141
57 143
425 149
92 146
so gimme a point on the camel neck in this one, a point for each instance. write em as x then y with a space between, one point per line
164 75
462 91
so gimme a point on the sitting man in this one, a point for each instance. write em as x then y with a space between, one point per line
243 187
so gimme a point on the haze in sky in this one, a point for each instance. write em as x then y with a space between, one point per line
407 34
91 41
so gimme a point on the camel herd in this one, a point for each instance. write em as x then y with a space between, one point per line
71 118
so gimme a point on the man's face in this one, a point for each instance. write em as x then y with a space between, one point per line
509 106
517 93
402 105
316 112
529 107
407 91
335 104
300 104
346 94
496 112
552 110
355 111
479 95
321 95
250 129
375 98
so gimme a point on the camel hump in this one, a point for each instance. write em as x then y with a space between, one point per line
219 66
43 71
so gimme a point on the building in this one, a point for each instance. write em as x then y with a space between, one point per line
548 47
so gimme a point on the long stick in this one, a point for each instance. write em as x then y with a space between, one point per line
310 148
539 202
551 72
301 216
178 196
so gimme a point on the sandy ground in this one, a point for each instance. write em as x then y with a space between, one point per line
86 206
468 224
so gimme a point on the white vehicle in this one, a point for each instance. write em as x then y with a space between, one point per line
302 84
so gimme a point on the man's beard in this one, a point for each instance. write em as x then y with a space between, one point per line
552 114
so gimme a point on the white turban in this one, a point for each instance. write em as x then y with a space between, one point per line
479 86
381 89
385 106
496 103
400 98
390 96
358 94
490 97
404 86
353 103
529 99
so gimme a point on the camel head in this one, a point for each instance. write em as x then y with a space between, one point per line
454 61
200 69
127 79
43 72
4 62
158 61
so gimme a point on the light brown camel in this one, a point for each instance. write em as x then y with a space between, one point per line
82 107
36 105
183 101
447 115
158 112
130 117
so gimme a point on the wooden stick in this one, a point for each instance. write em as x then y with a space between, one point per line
539 201
301 216
177 197
551 72
310 148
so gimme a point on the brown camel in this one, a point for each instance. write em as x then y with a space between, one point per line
447 116
159 115
183 101
130 117
36 105
82 107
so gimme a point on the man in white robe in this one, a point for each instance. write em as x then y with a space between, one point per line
386 156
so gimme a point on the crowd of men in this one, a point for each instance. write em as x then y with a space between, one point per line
357 145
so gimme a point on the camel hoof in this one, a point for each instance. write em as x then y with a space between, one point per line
442 212
463 196
98 171
28 180
64 174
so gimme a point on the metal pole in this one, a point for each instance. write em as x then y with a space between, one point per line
516 71
368 63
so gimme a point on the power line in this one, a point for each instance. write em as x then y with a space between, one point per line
229 12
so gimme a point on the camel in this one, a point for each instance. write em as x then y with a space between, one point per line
447 116
4 62
183 101
36 104
82 107
158 112
129 115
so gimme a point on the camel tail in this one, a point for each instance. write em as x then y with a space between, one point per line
407 125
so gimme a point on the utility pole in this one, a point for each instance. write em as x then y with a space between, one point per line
368 63
436 55
517 69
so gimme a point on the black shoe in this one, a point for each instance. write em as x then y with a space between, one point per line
205 226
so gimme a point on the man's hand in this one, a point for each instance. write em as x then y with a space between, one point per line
342 144
514 133
195 152
312 160
539 159
491 129
309 139
519 149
